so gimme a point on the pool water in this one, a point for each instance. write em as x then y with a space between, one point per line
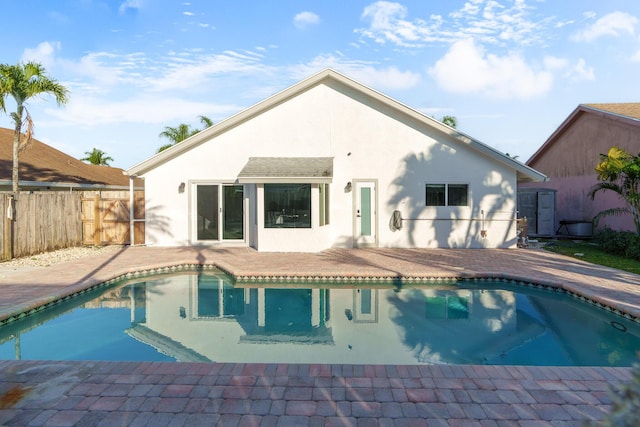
203 317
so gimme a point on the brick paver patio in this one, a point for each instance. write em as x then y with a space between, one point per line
92 393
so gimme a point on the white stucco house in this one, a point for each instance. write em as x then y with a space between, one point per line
330 162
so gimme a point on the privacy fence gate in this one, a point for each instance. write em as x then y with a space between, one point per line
47 220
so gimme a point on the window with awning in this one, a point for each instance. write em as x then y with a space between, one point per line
287 170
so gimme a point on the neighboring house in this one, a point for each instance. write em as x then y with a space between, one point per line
326 163
570 155
42 167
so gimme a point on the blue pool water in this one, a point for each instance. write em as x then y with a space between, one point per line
202 317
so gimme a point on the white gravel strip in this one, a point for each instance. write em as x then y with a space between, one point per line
47 259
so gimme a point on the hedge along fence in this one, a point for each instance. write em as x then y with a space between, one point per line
39 222
48 220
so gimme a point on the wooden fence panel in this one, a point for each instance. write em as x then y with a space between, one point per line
49 220
105 217
42 221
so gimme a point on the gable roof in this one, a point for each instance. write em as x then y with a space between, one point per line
43 164
524 173
628 112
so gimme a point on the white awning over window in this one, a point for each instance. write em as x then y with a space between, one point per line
310 170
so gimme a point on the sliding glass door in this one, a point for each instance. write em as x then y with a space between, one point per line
219 212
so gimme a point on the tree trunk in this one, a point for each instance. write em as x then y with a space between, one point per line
16 148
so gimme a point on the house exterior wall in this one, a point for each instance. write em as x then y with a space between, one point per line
570 163
369 142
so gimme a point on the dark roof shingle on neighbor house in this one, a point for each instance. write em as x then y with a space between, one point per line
41 163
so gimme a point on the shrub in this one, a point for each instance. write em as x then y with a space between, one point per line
623 243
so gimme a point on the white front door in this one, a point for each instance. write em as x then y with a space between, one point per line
365 206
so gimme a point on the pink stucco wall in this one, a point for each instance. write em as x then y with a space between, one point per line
573 202
569 159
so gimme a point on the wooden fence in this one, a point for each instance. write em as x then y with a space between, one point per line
105 217
43 221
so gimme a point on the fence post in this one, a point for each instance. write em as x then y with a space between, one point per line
97 221
8 226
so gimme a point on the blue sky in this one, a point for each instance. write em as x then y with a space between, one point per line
510 71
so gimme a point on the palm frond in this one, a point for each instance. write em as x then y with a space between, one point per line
610 212
603 186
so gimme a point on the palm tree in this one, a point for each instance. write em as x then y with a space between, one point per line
181 132
23 82
206 122
619 172
97 157
450 121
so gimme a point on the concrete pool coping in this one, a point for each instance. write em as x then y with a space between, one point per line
468 394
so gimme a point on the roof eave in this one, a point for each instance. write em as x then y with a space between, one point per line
285 180
67 185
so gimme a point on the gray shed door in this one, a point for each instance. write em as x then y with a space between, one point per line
528 208
546 213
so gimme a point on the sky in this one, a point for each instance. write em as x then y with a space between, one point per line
510 71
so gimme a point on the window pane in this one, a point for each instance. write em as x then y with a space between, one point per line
436 307
365 211
435 194
324 204
208 297
233 226
207 211
287 205
457 307
457 194
365 301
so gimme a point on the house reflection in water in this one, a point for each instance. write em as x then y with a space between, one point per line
204 317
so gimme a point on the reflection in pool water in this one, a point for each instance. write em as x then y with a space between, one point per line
202 317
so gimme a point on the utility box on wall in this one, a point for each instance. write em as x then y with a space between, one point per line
538 205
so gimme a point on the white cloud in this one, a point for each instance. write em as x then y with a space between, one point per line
90 111
188 13
44 53
466 68
194 72
614 24
387 23
379 78
555 63
580 71
487 21
305 19
129 4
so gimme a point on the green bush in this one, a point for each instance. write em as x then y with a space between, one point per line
623 243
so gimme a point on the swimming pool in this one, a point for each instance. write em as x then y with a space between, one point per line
203 317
